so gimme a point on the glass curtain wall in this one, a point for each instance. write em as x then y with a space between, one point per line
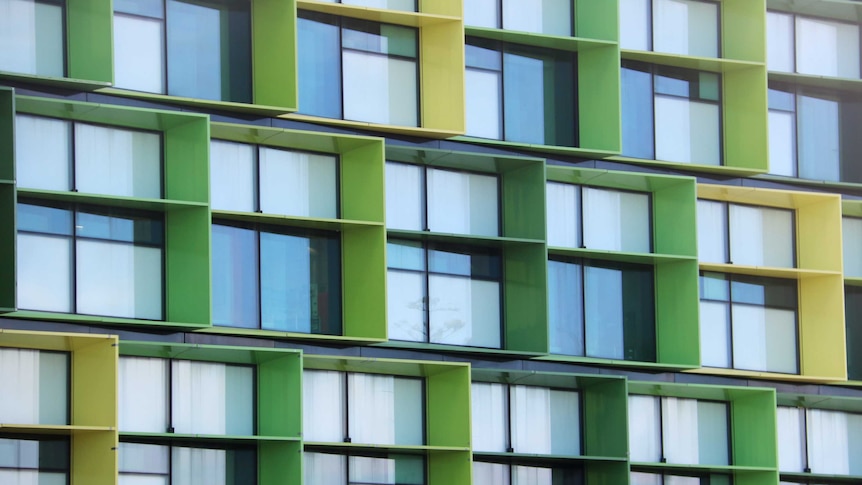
150 464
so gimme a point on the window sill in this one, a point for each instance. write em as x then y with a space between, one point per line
432 347
561 459
713 64
422 131
557 42
692 167
671 467
359 447
248 108
112 200
649 366
562 150
621 256
53 429
399 17
296 221
60 82
813 80
257 332
99 320
486 241
772 376
231 439
788 273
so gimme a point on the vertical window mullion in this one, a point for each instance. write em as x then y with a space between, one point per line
257 279
661 418
341 61
728 250
74 259
582 276
346 403
510 445
426 303
165 40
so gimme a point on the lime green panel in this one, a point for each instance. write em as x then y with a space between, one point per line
744 32
523 202
280 462
605 418
674 212
187 264
526 297
596 20
745 119
94 384
280 396
600 122
362 186
598 473
7 134
89 36
274 53
449 467
677 303
364 282
754 430
448 408
187 149
94 457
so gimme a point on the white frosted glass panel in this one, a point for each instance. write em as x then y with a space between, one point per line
782 143
409 411
679 430
687 27
128 479
827 48
644 432
143 394
143 458
761 236
781 341
464 311
212 398
779 42
371 470
32 477
639 478
687 131
379 89
851 233
119 280
44 273
323 406
705 132
43 153
714 334
462 203
490 416
531 419
616 221
764 339
197 466
483 95
791 439
371 412
819 138
712 433
634 24
298 184
854 442
38 382
828 442
232 175
551 17
405 5
31 38
114 161
482 13
711 231
565 423
531 475
495 473
324 468
139 62
404 197
564 215
405 300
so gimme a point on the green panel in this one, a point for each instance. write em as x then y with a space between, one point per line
605 418
274 53
89 36
279 463
745 119
754 430
364 282
600 122
187 161
677 304
523 202
448 408
674 212
526 297
596 20
449 467
598 473
7 200
744 33
187 265
362 183
280 397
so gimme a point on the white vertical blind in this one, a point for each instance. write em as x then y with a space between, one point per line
143 398
564 214
483 100
323 406
31 37
297 183
714 334
371 410
550 17
232 176
115 161
371 470
324 468
749 337
791 439
143 464
139 62
43 151
491 473
782 143
761 236
44 273
712 433
819 130
379 89
779 42
482 13
38 380
404 197
531 419
464 311
711 231
827 48
851 233
616 220
634 24
463 203
490 407
640 478
531 475
672 129
212 398
405 301
687 27
828 442
679 430
198 466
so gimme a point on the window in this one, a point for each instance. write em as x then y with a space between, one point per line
371 409
851 234
853 329
504 474
812 134
90 260
405 5
597 218
643 478
602 309
687 27
430 199
186 397
748 322
819 441
32 36
379 469
276 278
145 464
43 460
550 17
521 94
671 114
745 235
444 294
525 419
678 431
815 46
195 49
54 154
251 178
358 70
39 382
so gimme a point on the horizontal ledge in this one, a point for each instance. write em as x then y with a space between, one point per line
517 457
400 17
96 319
489 241
62 82
789 273
563 150
406 449
462 349
111 200
296 221
650 366
626 257
53 429
715 64
714 169
766 375
247 108
671 467
253 332
190 437
829 82
437 133
558 42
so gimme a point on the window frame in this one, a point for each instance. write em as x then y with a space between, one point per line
68 354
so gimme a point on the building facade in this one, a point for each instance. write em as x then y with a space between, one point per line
430 242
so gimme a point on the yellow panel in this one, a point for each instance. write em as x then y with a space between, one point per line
789 273
772 376
819 235
451 8
94 458
821 321
757 196
442 77
94 384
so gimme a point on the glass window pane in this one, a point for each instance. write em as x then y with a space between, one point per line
827 48
762 236
531 419
791 439
782 143
318 41
139 62
634 24
116 225
604 312
212 398
385 409
324 468
323 406
232 175
482 13
44 279
781 346
144 459
31 34
405 301
115 161
679 430
39 164
853 324
405 5
380 89
463 203
234 280
44 219
143 395
640 478
818 126
495 473
828 442
199 466
405 255
688 27
298 183
715 334
490 416
44 461
550 17
483 103
712 231
687 131
565 308
39 383
712 433
616 221
464 311
143 8
564 214
395 469
779 42
644 431
405 196
379 38
764 339
637 113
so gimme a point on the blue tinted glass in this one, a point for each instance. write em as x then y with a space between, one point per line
770 292
673 86
405 255
714 286
483 58
781 100
146 8
285 281
474 263
379 38
637 110
48 220
319 66
565 311
134 229
234 273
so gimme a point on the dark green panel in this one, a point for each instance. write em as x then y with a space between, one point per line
523 202
677 304
187 264
526 297
280 397
605 418
7 135
187 161
364 279
598 473
89 25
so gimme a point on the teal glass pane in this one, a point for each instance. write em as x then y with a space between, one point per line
409 411
319 62
709 88
565 310
234 273
239 400
54 381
